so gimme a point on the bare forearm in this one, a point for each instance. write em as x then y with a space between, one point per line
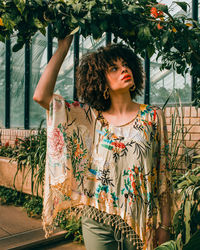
44 90
163 231
165 206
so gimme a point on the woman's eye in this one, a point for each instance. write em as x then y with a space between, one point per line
113 69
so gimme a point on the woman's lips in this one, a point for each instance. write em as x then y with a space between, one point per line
126 77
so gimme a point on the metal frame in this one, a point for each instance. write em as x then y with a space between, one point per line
147 80
195 17
27 87
108 38
49 42
7 80
76 62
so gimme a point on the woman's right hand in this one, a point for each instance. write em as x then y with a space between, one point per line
44 90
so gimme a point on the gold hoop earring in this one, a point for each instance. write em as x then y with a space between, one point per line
132 88
106 94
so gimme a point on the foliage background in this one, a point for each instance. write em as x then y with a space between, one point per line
145 25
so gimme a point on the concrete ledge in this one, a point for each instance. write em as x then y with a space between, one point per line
30 239
7 173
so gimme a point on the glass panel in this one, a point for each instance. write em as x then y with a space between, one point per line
17 87
2 84
165 81
38 61
89 44
65 84
174 8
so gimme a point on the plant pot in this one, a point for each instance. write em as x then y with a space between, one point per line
7 173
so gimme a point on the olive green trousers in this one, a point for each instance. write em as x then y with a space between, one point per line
98 236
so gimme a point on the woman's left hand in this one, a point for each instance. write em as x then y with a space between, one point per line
162 236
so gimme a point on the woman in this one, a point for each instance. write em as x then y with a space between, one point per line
106 158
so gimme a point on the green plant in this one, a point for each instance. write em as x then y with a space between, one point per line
145 25
6 150
32 205
11 197
71 225
186 221
181 157
30 156
187 218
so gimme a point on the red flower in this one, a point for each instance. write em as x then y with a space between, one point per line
7 144
16 142
156 13
75 104
56 142
136 170
67 104
154 115
118 144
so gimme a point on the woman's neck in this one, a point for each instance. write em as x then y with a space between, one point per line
121 104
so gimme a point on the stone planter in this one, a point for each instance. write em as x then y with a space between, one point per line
7 173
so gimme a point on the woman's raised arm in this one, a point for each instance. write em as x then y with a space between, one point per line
44 90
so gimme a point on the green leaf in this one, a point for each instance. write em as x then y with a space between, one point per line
150 50
8 23
75 30
2 38
187 220
37 23
20 4
162 7
165 37
17 47
39 2
144 33
77 7
194 242
183 5
73 19
169 245
43 31
96 32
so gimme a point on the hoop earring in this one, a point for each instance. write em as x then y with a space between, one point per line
106 94
132 88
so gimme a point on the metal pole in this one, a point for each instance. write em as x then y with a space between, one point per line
49 42
76 61
108 38
7 79
27 86
147 80
195 17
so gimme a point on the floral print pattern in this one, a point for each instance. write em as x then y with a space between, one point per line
118 170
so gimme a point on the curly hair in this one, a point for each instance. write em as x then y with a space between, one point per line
91 74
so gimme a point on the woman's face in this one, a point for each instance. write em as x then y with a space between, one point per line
119 76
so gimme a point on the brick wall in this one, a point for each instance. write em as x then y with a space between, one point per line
191 118
10 135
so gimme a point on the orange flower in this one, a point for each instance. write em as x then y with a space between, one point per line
1 22
174 30
156 13
159 26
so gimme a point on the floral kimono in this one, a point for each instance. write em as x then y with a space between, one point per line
114 174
